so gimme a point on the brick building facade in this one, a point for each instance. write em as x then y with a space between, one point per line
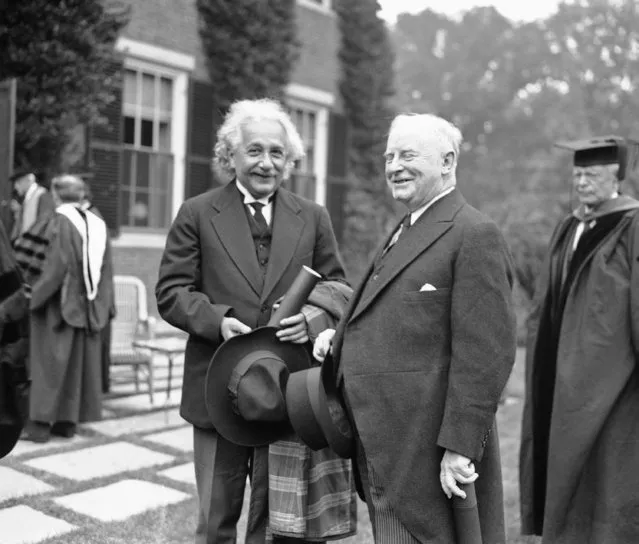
155 150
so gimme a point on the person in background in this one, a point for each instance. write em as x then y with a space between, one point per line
426 347
35 202
580 434
71 299
230 254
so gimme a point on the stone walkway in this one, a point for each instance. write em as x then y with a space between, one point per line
99 466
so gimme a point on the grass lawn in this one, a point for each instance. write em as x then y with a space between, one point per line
175 524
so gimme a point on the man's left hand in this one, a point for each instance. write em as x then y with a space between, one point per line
456 468
294 329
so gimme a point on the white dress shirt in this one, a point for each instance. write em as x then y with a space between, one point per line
267 210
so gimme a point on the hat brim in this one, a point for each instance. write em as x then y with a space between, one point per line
303 398
317 412
9 435
219 405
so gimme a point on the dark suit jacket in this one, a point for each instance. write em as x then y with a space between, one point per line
209 267
424 370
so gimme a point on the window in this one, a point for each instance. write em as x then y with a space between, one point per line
147 181
303 178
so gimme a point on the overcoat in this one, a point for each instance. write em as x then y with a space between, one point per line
424 369
592 483
210 247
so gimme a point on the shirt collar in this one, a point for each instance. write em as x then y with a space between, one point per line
248 198
414 216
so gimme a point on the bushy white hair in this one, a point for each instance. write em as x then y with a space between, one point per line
448 135
68 187
229 135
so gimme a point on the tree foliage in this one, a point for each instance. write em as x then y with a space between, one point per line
61 54
250 47
514 89
366 87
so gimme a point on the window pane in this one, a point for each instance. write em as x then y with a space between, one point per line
143 173
129 130
130 87
139 212
148 91
166 94
164 143
146 136
310 160
310 136
128 170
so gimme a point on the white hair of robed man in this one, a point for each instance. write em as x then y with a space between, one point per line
68 187
229 135
448 135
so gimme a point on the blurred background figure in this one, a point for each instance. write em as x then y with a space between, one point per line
33 202
71 303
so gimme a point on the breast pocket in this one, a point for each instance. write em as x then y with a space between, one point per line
427 314
416 297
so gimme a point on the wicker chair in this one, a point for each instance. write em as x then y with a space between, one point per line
132 322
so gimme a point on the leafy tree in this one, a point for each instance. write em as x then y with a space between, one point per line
250 46
367 87
61 54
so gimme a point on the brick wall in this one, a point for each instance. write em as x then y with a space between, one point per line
143 263
172 24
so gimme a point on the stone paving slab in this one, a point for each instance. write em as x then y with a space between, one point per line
99 461
121 500
182 473
23 525
14 484
154 421
180 439
24 447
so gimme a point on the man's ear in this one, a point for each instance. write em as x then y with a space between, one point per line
449 163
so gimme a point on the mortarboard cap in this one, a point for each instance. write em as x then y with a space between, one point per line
599 150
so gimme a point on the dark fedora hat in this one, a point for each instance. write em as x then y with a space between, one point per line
9 435
316 410
246 383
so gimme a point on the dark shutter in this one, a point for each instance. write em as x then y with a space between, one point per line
337 182
105 161
203 122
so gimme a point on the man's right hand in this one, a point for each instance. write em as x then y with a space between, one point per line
231 327
323 344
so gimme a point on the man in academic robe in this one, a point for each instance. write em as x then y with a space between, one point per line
579 449
71 301
35 202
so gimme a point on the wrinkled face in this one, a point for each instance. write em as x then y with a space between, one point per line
260 158
594 184
415 164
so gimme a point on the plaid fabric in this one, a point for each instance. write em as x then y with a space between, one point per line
312 493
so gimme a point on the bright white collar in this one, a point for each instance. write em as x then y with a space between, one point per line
31 191
248 197
414 216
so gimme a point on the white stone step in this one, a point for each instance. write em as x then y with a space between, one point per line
24 525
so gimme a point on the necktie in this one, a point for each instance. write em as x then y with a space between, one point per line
259 216
403 227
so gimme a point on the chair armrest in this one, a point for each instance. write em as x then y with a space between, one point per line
146 327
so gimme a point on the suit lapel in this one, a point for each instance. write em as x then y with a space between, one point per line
287 230
235 234
431 226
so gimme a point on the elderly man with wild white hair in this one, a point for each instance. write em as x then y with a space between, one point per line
71 302
426 347
230 254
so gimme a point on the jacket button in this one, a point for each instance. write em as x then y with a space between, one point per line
375 276
264 308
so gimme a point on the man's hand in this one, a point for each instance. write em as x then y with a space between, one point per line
323 344
456 468
294 329
231 327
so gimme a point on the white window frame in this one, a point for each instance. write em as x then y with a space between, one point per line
320 102
326 6
176 66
